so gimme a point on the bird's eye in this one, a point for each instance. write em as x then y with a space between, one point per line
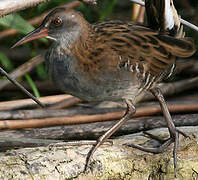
57 21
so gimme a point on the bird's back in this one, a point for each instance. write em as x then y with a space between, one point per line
137 43
120 55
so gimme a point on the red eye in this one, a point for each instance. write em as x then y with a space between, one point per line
58 21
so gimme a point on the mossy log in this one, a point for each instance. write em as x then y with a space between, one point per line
117 161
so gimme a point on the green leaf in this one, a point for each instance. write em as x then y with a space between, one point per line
15 21
6 62
32 85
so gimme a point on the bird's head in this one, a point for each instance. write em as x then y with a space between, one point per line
61 24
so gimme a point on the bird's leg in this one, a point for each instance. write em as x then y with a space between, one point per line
130 111
174 133
171 127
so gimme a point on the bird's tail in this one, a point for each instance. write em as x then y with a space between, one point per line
163 16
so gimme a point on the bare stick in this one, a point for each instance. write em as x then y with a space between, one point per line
94 130
24 103
43 86
78 119
26 67
8 142
139 2
11 6
21 87
177 87
184 22
190 25
135 11
92 2
47 113
140 17
66 103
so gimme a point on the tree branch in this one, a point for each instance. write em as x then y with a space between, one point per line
94 130
11 6
28 103
78 119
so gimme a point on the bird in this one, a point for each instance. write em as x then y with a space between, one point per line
112 61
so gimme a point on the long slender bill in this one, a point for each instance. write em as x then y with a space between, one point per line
36 34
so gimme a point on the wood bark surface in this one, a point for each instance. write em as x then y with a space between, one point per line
33 137
117 161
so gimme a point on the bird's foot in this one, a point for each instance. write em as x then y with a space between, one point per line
164 145
91 152
161 140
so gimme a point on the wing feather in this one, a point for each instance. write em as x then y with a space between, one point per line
116 42
137 43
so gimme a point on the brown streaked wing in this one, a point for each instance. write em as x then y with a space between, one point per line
139 43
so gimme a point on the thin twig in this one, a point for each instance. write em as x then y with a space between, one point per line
135 11
169 89
188 24
94 130
48 113
79 119
140 17
78 110
66 103
21 70
92 2
8 142
139 2
11 6
21 87
189 67
184 22
43 86
27 103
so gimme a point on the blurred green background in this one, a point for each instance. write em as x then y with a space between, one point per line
106 9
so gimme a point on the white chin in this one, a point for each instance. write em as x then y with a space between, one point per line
49 37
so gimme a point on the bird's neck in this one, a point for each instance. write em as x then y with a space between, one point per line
76 40
68 40
84 44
